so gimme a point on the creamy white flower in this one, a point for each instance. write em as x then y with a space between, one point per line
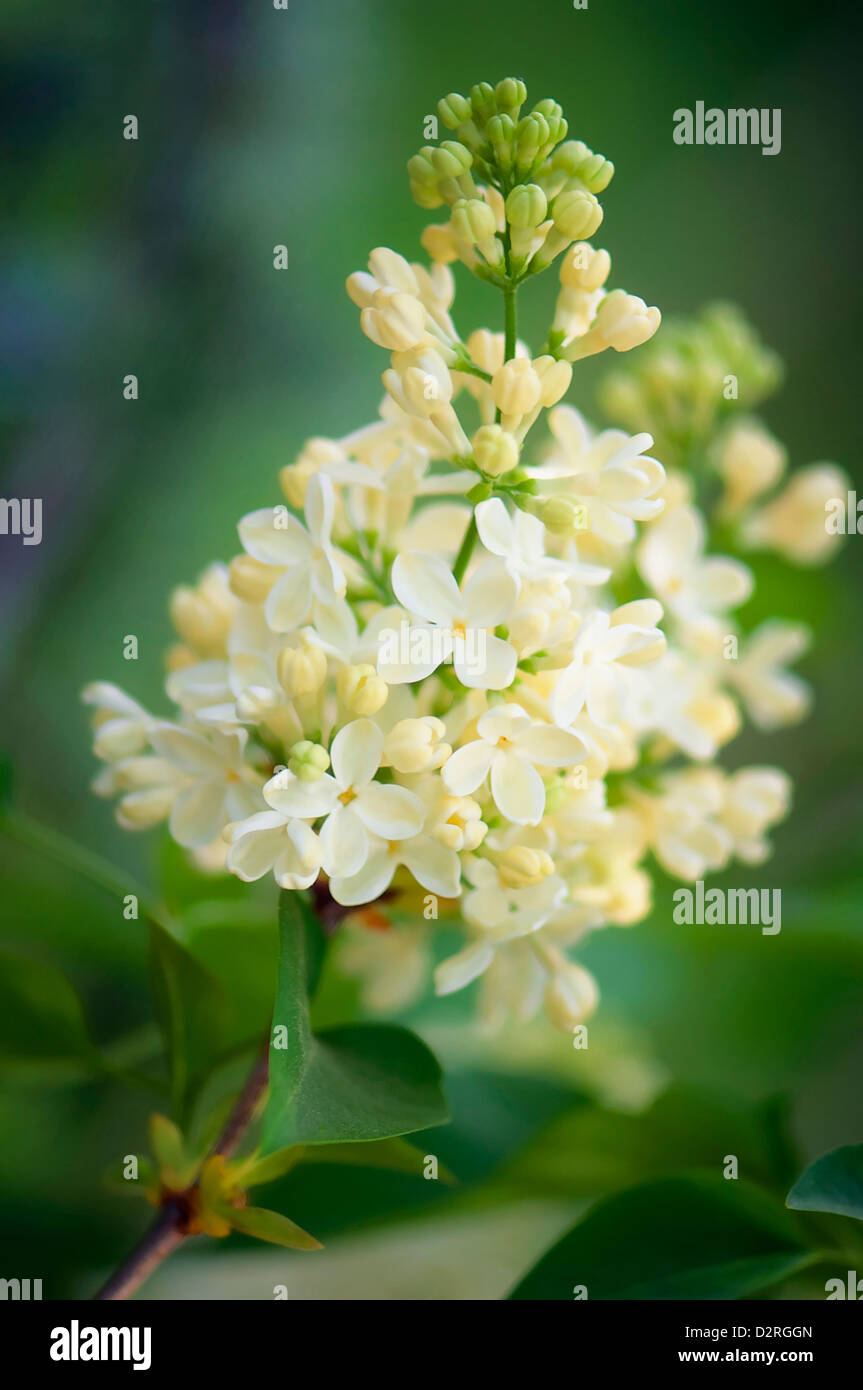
404 305
386 510
427 588
120 725
795 522
434 866
609 476
499 915
221 787
683 823
356 807
509 749
147 787
597 678
755 799
750 461
519 540
623 321
311 569
694 587
419 381
270 840
679 697
772 695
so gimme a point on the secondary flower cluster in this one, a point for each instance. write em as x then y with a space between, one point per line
435 677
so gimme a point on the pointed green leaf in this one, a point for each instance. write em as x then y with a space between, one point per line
355 1083
269 1225
194 1013
40 1016
393 1155
275 1165
692 1237
166 1142
832 1183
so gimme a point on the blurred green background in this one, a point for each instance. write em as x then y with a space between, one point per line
260 127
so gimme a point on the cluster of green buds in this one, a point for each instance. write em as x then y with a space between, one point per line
518 190
686 381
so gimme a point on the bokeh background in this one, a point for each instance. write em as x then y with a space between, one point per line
155 257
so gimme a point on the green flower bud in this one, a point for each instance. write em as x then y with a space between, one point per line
577 161
526 206
509 95
482 100
454 110
501 134
562 516
308 761
576 214
596 172
451 159
495 450
552 110
473 221
424 179
531 136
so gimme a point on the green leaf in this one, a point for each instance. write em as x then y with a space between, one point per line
356 1083
166 1142
269 1225
40 1016
239 945
258 1171
194 1011
176 1165
393 1155
692 1237
589 1151
832 1183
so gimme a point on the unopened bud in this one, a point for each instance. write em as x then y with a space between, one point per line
526 206
520 867
495 450
415 745
473 221
308 761
562 516
362 689
251 580
554 377
301 670
583 268
571 996
516 387
576 214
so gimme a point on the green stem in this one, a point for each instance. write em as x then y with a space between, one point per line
510 333
465 550
510 324
462 364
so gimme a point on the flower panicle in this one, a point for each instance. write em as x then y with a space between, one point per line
476 663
